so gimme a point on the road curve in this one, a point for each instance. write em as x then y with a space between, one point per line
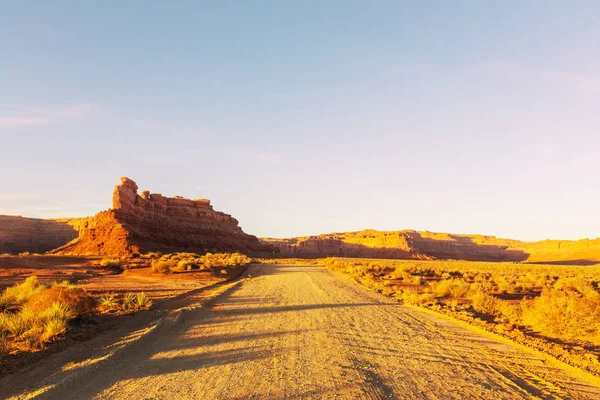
303 332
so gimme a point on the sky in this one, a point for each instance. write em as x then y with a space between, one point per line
309 117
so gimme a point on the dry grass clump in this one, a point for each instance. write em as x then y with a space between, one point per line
35 314
22 292
78 301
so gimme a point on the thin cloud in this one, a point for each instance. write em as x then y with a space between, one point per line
18 196
19 116
513 68
259 156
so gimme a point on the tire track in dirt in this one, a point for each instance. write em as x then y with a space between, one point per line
302 332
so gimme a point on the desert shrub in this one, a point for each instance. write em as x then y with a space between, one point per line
483 302
451 288
504 286
416 280
410 297
78 301
401 272
111 264
510 311
210 260
21 293
161 267
578 285
185 265
565 314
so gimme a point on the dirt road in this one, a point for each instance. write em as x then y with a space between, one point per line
302 332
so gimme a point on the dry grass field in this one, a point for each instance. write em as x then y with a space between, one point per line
46 298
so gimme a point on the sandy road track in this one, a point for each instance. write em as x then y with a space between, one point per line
302 332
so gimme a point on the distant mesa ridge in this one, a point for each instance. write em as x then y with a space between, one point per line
34 235
152 222
409 244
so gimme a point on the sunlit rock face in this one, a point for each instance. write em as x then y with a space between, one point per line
409 244
19 234
152 222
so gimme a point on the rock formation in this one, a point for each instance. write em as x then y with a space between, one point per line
410 244
151 222
19 234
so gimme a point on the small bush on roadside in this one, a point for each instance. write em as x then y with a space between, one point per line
111 263
451 288
483 302
185 265
161 267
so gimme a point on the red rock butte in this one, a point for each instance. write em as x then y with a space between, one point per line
151 222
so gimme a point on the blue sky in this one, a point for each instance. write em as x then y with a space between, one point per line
309 117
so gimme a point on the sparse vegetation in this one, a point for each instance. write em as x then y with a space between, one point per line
34 314
110 263
182 262
561 303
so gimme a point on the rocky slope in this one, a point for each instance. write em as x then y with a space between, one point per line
19 234
151 222
410 244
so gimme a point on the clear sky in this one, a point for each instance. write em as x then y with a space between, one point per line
309 117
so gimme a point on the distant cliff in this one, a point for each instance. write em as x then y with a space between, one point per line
152 222
410 244
19 234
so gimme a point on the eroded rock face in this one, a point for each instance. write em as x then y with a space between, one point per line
152 222
19 234
410 244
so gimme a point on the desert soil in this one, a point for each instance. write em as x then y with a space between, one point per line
303 332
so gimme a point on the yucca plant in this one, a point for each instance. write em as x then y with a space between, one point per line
108 302
143 302
129 301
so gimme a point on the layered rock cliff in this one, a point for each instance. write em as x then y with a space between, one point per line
410 244
19 234
152 222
